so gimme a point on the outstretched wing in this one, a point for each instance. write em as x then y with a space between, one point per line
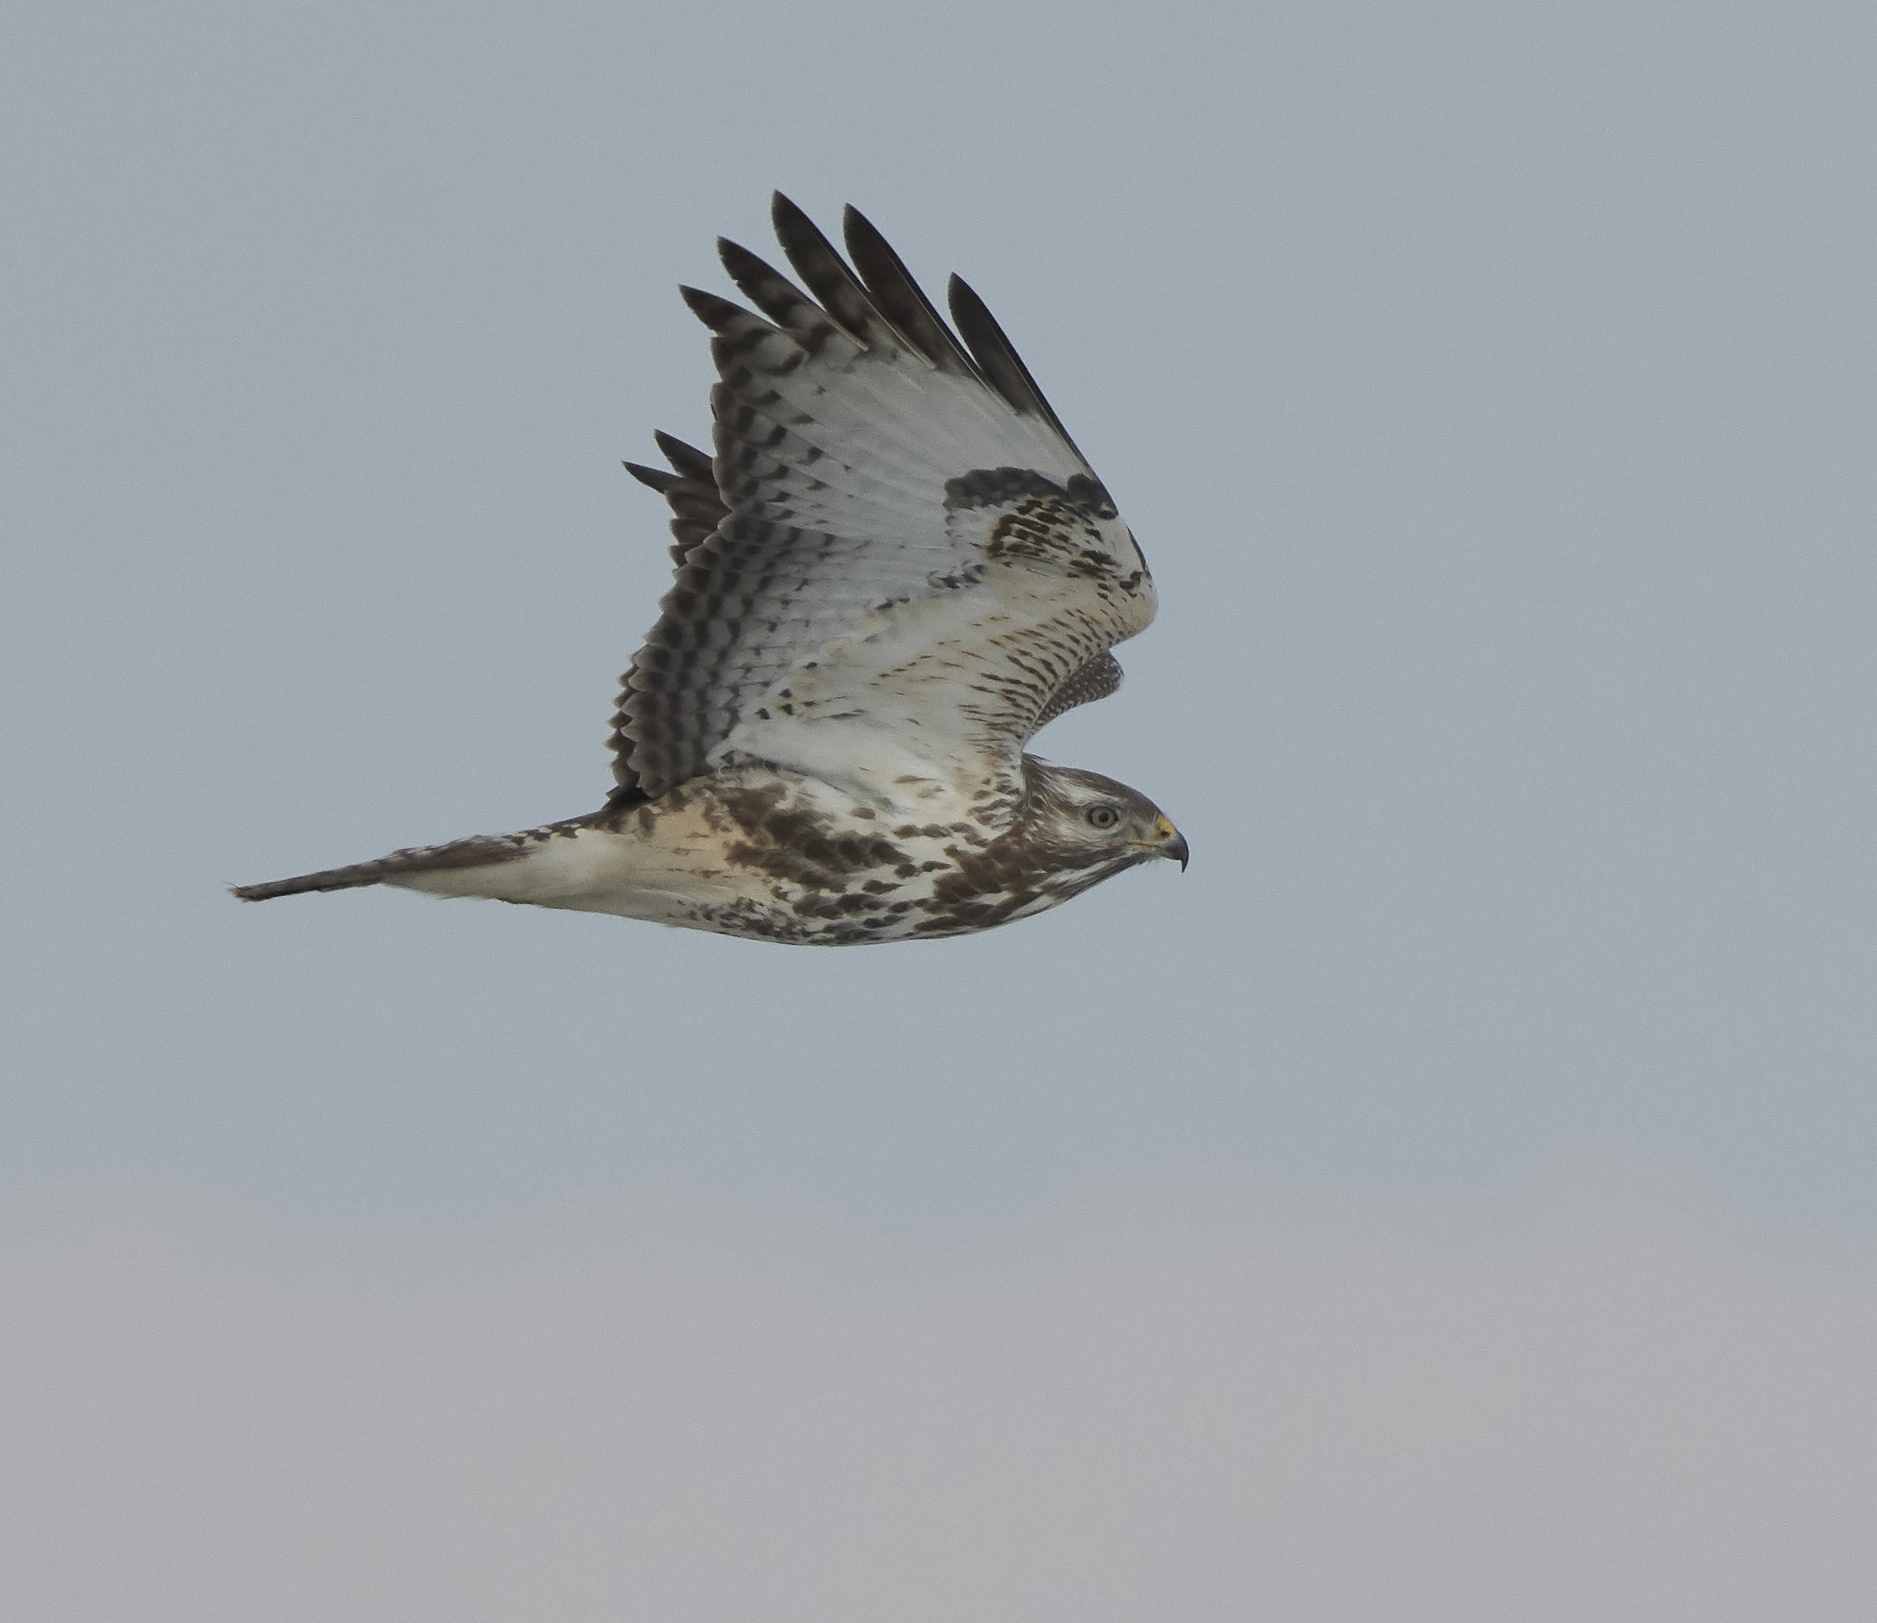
911 567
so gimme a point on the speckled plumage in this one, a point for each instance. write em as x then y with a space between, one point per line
892 570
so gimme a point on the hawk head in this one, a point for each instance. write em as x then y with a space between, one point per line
1082 822
1072 830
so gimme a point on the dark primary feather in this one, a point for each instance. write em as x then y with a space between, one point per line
997 357
827 275
718 314
774 294
687 460
899 298
691 489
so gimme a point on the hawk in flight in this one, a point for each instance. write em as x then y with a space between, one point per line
893 568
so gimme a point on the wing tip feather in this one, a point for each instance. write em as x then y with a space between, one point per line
716 313
685 458
998 359
657 479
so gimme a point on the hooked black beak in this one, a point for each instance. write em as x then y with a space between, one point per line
1172 843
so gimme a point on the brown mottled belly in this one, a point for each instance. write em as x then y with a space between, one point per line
785 860
779 858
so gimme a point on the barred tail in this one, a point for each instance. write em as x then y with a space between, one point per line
479 851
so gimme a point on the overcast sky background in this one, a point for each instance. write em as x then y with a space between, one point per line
1453 1198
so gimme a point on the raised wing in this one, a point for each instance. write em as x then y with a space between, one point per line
911 567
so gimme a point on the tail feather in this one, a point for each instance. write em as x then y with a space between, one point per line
479 851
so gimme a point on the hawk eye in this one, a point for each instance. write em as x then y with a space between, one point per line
1103 816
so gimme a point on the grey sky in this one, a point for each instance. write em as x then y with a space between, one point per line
1490 387
1584 1403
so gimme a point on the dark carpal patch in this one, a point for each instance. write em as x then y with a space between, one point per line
1044 522
997 487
